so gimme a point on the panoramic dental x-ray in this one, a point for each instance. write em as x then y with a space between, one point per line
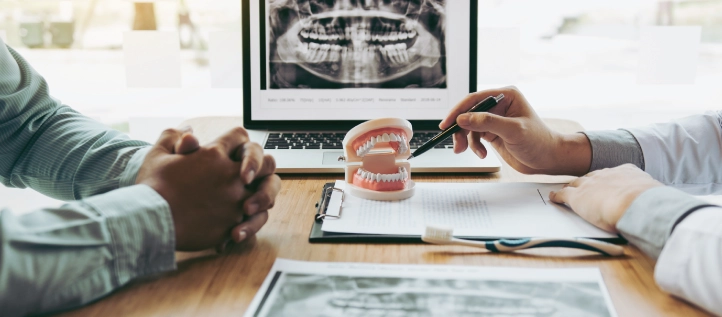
326 44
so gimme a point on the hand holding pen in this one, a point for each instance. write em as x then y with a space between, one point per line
518 134
523 140
482 106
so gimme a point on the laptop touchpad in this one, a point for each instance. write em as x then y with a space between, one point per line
331 158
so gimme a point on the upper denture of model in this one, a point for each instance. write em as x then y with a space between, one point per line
380 172
393 137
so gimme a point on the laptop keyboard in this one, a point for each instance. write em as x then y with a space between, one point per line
332 140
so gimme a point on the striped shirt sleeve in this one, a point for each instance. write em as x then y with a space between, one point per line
679 230
112 232
51 148
60 258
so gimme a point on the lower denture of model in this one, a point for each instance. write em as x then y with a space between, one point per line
378 150
381 182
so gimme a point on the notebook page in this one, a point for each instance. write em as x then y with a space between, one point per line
471 209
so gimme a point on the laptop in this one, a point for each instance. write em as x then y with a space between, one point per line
312 70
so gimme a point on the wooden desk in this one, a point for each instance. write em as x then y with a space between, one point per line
206 284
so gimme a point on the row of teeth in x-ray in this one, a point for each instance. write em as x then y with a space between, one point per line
317 53
378 177
354 34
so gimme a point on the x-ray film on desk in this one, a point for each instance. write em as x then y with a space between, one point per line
298 288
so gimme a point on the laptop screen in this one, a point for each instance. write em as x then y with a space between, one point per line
350 60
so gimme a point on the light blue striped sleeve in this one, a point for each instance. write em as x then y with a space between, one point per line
53 149
115 231
59 258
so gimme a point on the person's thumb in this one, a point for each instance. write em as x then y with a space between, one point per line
188 143
488 122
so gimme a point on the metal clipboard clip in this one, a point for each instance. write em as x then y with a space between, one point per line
324 204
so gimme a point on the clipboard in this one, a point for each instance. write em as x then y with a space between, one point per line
319 236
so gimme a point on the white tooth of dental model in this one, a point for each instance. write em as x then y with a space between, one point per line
376 166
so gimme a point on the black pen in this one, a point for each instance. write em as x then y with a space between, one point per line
482 106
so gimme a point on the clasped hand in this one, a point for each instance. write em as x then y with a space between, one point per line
216 192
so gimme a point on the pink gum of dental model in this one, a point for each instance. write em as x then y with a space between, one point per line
376 153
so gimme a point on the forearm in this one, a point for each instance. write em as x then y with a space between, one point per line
581 153
612 148
651 218
74 157
656 150
51 148
685 234
683 151
574 155
690 265
60 258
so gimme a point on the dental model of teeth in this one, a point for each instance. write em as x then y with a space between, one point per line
376 165
386 137
378 177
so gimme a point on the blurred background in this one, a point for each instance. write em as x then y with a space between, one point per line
604 63
573 59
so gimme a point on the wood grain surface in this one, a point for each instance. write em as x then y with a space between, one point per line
207 284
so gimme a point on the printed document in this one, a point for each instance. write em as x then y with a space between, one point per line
510 210
299 288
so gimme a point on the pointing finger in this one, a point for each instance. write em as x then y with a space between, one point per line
488 122
563 195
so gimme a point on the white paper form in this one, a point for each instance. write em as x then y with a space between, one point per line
471 209
299 288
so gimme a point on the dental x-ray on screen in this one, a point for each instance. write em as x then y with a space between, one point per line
327 44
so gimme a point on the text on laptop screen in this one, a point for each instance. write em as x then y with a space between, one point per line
358 59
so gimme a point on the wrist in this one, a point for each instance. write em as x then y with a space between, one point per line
627 198
572 154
